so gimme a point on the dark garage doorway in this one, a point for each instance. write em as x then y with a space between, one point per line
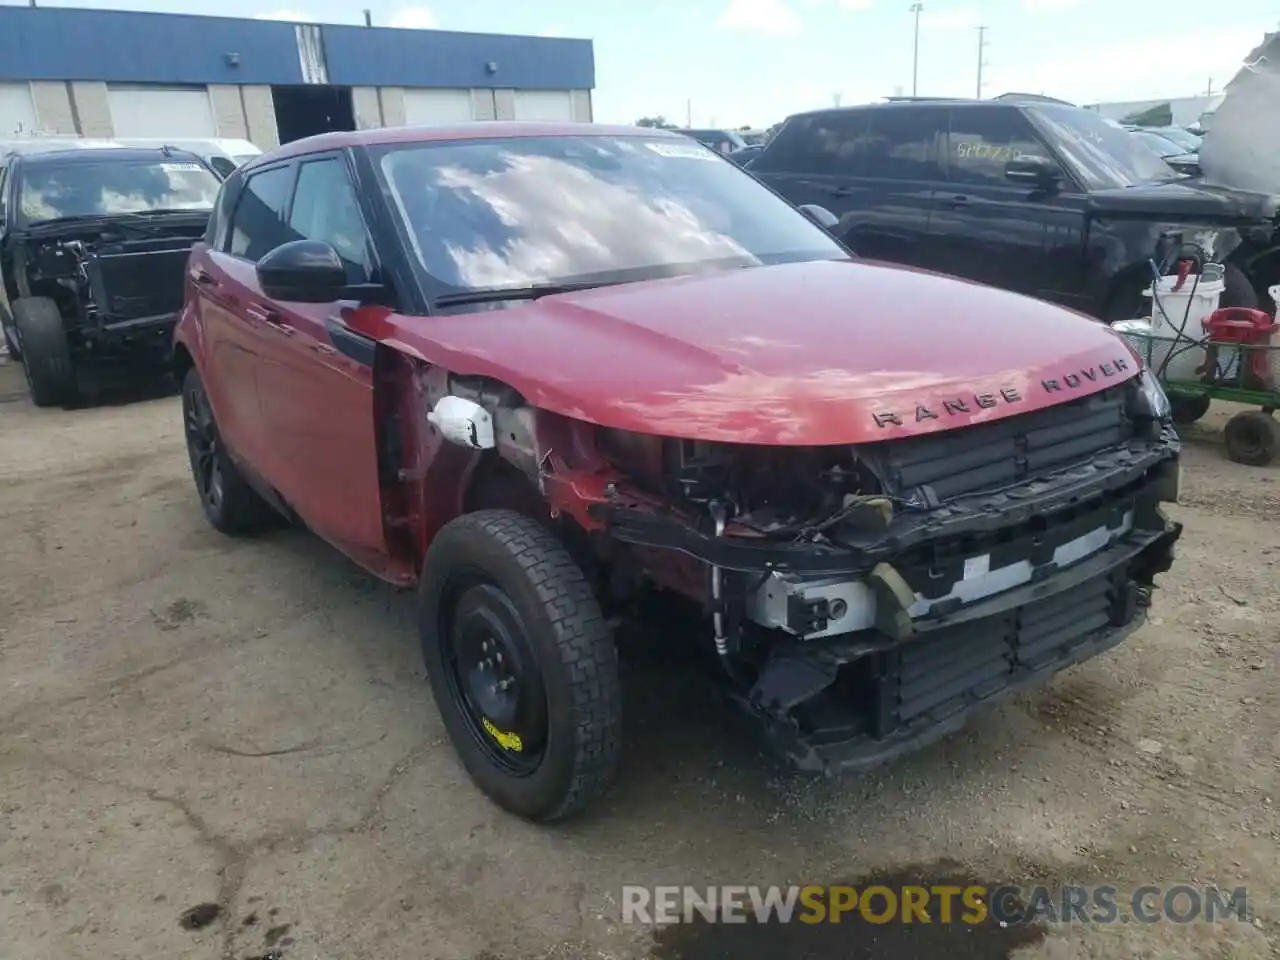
305 110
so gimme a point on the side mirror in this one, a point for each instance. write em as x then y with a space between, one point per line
1033 171
820 216
303 271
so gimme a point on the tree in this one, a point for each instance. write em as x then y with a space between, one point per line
659 122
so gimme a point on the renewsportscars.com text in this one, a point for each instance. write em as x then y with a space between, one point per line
974 904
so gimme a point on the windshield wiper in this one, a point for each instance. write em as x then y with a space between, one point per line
531 292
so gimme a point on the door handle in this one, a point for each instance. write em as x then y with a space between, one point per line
261 314
841 191
955 202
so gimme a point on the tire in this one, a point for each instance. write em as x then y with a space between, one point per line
51 377
497 582
231 505
1252 438
1187 410
1237 290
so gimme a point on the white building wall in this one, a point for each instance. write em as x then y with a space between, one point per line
543 104
17 109
52 99
228 111
438 106
137 111
92 104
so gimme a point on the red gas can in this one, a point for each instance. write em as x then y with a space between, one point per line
1238 342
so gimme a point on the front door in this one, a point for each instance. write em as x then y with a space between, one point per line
315 381
1010 235
227 290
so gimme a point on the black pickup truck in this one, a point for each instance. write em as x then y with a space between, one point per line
1039 197
93 248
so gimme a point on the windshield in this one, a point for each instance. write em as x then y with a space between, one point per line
112 187
1183 138
1101 155
1163 146
482 214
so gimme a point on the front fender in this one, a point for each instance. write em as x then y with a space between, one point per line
1122 250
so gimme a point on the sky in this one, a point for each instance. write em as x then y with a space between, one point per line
752 62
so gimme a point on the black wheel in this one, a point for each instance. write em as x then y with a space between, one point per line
1237 290
1252 438
46 355
1188 409
231 505
522 666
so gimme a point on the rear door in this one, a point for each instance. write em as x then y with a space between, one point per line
1010 235
876 169
316 378
227 298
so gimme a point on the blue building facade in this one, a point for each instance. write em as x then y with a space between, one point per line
114 73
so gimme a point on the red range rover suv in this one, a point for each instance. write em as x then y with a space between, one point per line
546 372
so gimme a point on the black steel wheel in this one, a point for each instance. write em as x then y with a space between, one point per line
231 505
1252 438
521 664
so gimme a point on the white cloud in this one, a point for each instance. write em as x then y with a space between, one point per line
1162 63
291 16
856 6
771 17
949 19
414 18
1050 6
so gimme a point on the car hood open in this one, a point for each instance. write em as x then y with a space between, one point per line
818 353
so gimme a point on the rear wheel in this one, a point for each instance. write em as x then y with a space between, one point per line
521 663
1252 438
46 355
231 505
1188 409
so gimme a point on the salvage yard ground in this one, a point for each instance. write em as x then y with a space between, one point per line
189 720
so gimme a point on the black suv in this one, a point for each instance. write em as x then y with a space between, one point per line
93 249
1034 196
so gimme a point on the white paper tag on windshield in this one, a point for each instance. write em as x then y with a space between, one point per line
686 151
180 167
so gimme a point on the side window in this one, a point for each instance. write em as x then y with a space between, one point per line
984 139
904 143
325 208
4 190
819 144
257 226
215 233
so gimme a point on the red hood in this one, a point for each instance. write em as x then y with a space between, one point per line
808 353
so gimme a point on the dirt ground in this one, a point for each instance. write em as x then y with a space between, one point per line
189 720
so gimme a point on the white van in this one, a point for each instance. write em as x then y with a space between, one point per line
222 154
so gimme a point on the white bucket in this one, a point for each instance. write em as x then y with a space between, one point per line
1177 316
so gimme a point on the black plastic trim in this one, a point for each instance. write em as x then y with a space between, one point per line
355 346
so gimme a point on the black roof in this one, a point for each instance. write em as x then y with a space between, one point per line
62 154
900 103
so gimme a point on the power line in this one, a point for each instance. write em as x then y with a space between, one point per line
982 46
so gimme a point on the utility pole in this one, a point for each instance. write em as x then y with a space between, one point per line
688 113
916 8
982 46
368 18
1209 92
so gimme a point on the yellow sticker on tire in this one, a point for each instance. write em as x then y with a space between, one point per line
507 741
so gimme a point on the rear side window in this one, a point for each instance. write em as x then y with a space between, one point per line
815 145
984 139
889 144
215 233
258 225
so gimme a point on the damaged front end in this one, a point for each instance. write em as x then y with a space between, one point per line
862 600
